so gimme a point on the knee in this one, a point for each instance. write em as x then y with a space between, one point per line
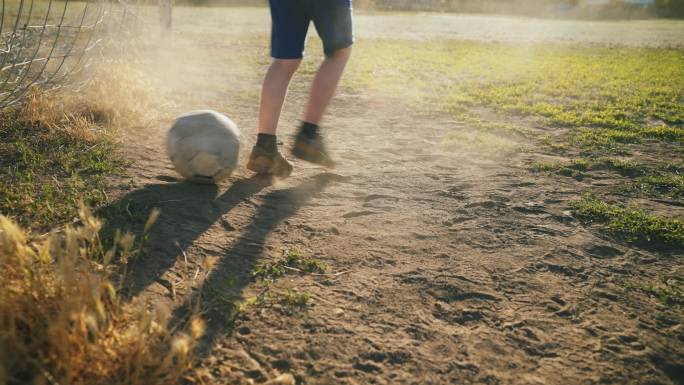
287 65
342 54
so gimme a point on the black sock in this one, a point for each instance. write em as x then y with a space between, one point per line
267 142
309 130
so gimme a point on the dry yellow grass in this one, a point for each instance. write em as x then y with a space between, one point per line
112 96
61 318
62 322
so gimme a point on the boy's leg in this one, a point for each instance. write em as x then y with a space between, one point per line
265 157
325 84
288 35
273 93
333 21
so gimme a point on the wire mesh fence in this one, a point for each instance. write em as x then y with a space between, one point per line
44 42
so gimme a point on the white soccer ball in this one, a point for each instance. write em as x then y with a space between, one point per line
204 146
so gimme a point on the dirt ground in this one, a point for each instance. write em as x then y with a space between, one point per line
446 266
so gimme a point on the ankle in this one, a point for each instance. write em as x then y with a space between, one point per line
309 130
267 142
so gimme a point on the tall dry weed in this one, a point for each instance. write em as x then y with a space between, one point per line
110 97
62 321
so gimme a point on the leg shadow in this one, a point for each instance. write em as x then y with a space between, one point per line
233 272
187 211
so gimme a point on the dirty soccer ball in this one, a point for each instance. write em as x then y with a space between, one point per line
204 146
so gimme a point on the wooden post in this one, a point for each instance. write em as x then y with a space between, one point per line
166 14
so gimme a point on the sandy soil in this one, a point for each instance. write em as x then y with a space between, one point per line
447 266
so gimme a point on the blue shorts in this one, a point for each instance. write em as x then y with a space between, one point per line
291 19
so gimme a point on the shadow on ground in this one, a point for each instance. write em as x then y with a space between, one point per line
188 211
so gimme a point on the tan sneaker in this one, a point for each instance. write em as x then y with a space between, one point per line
312 150
269 163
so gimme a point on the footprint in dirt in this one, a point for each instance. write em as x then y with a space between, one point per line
486 204
356 214
381 202
532 341
457 299
603 251
531 209
167 178
461 316
456 191
375 197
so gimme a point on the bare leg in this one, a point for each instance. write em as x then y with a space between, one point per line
325 84
273 93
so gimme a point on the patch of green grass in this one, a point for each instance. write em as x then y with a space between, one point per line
669 290
556 144
291 298
575 169
623 167
664 133
579 168
219 295
604 141
630 223
125 212
650 181
669 185
290 261
45 171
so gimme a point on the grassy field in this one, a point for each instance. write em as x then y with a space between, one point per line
602 107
